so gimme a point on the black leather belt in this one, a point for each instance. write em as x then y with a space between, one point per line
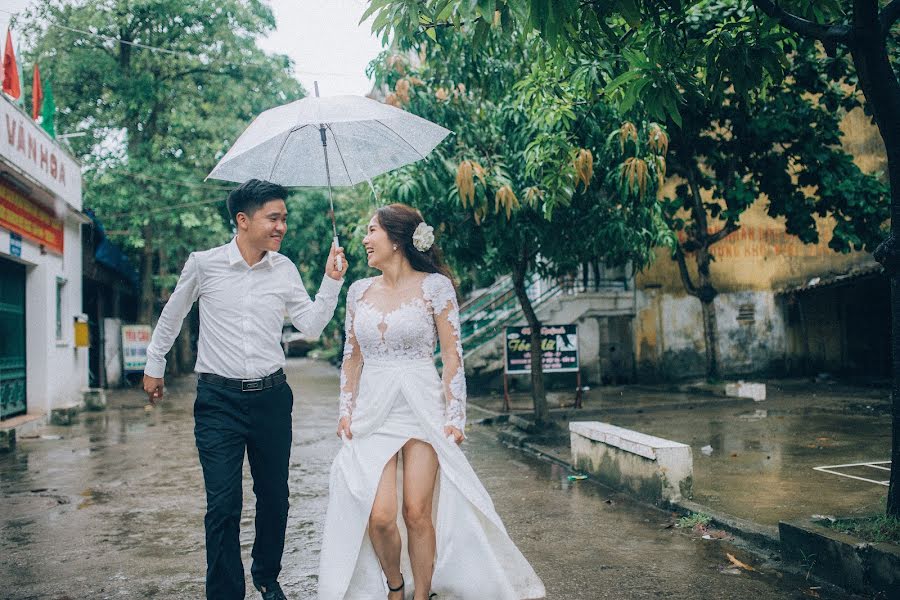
246 385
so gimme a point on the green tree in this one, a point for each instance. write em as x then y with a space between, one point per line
507 205
161 88
749 52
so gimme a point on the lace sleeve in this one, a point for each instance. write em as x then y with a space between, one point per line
351 365
446 318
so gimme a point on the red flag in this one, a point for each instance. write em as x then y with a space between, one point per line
37 94
11 85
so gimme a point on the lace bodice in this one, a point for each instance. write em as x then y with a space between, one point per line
382 328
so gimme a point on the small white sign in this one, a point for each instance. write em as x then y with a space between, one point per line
135 339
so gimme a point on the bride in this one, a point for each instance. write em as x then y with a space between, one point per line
401 425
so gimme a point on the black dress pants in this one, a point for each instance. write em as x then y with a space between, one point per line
227 423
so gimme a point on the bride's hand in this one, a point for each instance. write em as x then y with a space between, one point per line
452 432
344 428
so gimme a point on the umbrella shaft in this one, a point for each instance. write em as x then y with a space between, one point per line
328 177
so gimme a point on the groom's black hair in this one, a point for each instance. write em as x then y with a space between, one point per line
250 196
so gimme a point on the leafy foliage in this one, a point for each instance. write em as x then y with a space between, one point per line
157 120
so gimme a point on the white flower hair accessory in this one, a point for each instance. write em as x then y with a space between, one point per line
423 237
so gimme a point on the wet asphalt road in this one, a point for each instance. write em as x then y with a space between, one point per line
114 509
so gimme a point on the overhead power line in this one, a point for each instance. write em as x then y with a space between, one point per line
182 53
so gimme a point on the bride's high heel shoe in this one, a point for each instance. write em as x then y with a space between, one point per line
400 587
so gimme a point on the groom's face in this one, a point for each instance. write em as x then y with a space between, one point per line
265 229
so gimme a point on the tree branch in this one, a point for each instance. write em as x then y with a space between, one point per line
689 286
435 25
830 35
698 210
889 16
729 228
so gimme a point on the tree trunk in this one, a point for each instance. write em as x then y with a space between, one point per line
881 89
707 295
145 309
538 393
867 41
703 290
711 339
888 254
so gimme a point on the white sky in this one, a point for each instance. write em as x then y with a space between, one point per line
325 42
321 36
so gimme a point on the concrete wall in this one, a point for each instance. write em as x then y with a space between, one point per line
751 265
669 340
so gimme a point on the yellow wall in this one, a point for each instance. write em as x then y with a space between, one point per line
750 265
761 255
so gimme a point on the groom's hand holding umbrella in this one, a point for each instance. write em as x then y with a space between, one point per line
334 268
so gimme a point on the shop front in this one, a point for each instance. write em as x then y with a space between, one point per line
42 366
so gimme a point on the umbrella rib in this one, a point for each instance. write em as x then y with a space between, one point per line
281 149
340 154
402 139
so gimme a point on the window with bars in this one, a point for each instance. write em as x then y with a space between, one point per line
746 314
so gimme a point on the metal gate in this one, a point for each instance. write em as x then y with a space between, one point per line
12 339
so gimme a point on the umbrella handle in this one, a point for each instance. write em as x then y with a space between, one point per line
337 260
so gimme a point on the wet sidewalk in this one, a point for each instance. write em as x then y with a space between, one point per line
760 457
112 507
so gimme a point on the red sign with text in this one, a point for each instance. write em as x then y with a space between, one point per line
20 215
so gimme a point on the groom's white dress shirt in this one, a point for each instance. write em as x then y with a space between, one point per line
242 312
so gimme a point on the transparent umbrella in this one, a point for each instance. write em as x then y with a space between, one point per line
333 141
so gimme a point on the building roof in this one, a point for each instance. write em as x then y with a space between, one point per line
831 279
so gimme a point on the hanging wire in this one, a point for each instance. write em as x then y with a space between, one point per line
204 60
162 208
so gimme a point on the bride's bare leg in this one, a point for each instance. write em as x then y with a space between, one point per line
383 527
420 465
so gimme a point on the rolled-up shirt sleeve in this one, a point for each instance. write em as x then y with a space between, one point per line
169 325
308 316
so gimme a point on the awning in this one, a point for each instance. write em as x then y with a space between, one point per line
831 279
111 256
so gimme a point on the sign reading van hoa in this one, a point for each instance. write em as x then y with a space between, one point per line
28 148
559 344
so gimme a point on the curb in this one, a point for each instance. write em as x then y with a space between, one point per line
764 539
614 410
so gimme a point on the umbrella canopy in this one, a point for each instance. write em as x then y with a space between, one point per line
365 138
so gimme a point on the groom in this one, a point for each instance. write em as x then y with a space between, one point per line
243 400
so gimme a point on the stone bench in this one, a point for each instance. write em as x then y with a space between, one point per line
652 468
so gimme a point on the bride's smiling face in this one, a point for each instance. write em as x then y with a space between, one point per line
379 247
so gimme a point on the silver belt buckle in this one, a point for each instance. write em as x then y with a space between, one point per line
251 385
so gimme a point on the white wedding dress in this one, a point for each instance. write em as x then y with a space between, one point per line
391 390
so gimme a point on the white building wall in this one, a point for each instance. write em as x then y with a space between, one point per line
56 371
